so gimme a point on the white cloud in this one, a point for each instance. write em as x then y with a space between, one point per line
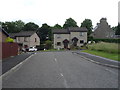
57 11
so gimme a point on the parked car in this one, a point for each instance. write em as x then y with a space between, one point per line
32 49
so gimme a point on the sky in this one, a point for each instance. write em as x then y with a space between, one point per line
57 11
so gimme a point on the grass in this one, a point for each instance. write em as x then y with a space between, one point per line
106 47
113 56
103 49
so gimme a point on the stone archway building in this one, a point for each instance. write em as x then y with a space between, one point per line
65 37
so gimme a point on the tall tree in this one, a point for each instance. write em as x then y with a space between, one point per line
45 33
118 29
30 27
57 26
88 24
19 25
70 23
13 27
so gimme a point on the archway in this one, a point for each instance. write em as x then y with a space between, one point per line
65 42
75 40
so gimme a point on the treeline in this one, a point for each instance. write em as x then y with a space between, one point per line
45 31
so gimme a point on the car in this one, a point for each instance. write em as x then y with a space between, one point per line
32 49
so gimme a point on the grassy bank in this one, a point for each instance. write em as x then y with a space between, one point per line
103 49
113 56
106 47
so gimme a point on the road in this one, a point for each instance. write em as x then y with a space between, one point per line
61 70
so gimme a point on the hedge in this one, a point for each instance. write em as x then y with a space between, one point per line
106 40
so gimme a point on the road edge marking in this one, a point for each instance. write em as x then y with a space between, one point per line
108 65
18 65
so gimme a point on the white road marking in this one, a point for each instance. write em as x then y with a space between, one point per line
108 65
61 74
15 67
65 82
55 60
111 71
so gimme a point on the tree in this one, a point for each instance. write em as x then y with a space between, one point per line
19 25
30 27
118 30
70 23
57 26
88 24
45 33
9 27
13 27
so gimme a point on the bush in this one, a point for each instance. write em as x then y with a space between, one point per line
48 44
40 47
106 47
9 39
72 47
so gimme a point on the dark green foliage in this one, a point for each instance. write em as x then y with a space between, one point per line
70 23
45 33
13 27
57 26
118 29
88 24
48 44
30 27
40 47
106 40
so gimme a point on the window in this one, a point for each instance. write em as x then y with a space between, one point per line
35 39
58 36
58 43
18 38
82 41
25 39
81 33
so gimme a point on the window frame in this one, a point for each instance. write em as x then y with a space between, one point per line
82 41
59 44
81 34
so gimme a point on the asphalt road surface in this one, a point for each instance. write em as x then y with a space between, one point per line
61 70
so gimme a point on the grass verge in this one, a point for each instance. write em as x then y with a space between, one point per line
113 56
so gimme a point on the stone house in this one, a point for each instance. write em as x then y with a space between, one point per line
26 39
64 38
103 30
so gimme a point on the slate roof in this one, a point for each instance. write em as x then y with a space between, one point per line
22 34
77 29
68 30
2 30
60 31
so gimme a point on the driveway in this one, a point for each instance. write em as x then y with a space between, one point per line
61 70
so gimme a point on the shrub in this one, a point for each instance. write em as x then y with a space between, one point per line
48 44
9 39
106 47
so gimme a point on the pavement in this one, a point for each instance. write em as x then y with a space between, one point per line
61 70
98 59
11 62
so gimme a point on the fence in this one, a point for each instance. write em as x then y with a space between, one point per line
9 49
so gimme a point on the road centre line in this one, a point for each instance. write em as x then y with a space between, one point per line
61 74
